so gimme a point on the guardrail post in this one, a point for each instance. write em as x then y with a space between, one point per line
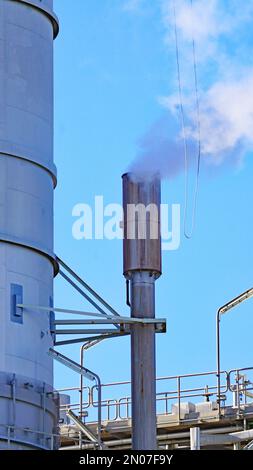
195 438
128 399
238 392
99 386
166 404
179 398
8 437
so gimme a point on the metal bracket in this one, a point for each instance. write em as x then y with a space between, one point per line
122 324
16 301
160 325
89 340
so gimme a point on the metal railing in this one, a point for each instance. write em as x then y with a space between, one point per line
79 406
175 392
171 392
39 439
241 387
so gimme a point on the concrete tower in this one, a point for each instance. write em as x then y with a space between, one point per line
28 406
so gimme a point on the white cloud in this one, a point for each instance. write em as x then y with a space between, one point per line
224 54
202 18
205 20
132 5
221 31
227 116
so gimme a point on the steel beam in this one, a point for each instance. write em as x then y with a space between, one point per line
60 310
113 321
84 429
85 285
117 334
84 332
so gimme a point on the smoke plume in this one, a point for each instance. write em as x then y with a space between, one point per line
222 31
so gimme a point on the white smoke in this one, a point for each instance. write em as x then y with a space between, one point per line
222 30
226 104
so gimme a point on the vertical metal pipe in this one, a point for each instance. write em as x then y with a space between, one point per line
52 442
179 398
43 412
195 438
142 266
81 392
99 389
83 348
143 363
81 381
238 393
218 361
9 437
13 388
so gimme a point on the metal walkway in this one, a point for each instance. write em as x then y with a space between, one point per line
187 413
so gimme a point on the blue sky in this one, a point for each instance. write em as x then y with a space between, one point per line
111 66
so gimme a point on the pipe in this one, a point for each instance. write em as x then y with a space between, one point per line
142 266
143 363
162 437
218 360
81 389
128 293
83 348
195 438
83 428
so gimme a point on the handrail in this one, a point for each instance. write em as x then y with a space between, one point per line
40 434
119 408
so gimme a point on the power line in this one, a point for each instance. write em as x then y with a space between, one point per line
189 234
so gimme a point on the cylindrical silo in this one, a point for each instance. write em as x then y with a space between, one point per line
142 266
28 405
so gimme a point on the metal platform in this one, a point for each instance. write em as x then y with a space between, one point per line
188 413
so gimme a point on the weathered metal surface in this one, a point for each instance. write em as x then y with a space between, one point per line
143 363
142 266
142 236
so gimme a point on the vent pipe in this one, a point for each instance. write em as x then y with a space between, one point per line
142 267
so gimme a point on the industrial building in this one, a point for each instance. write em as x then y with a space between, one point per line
212 409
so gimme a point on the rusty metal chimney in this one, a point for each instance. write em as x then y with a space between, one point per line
142 266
